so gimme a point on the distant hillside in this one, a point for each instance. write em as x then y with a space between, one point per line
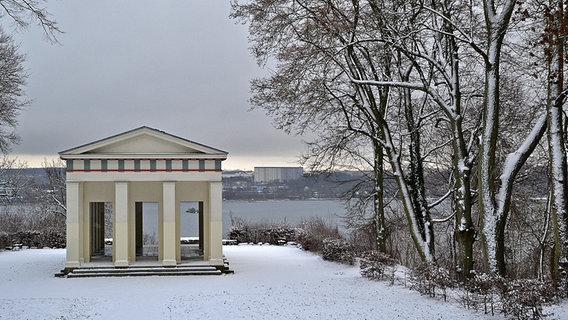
32 172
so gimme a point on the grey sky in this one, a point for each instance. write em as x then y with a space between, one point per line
179 66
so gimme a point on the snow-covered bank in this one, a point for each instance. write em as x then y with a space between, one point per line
270 282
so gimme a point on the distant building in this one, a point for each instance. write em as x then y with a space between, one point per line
277 174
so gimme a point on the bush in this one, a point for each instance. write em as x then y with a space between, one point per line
483 291
240 231
337 250
311 233
277 234
4 240
520 298
524 298
244 232
431 280
54 239
375 265
38 239
28 238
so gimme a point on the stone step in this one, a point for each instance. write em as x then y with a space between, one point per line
139 274
143 271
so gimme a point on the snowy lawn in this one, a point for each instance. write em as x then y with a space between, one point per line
270 282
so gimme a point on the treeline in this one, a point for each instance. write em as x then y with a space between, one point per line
326 185
32 205
329 185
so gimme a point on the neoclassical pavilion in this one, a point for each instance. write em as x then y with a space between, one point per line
131 168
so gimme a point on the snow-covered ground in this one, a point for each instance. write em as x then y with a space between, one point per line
270 282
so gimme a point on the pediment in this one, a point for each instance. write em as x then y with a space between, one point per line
143 141
144 144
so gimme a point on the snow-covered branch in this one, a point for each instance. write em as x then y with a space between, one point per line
441 199
515 160
467 38
61 205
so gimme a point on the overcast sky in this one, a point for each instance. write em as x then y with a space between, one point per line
179 66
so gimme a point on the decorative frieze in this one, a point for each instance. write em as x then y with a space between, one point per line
143 165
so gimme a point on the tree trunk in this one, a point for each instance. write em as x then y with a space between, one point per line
464 230
422 241
378 203
492 220
556 147
415 176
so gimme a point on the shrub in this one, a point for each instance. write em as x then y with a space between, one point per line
38 239
4 240
431 280
54 239
311 233
244 232
337 250
277 234
27 238
239 231
524 298
375 265
483 291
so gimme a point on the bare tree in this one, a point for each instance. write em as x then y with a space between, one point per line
15 183
12 73
24 12
53 192
328 75
12 81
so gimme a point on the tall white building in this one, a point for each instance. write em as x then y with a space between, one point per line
277 174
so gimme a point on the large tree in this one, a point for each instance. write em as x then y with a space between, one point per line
334 69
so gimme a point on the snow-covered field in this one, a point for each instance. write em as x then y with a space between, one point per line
270 282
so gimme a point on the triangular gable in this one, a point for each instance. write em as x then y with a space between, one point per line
144 141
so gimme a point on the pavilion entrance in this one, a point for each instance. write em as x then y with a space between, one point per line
147 230
100 221
191 230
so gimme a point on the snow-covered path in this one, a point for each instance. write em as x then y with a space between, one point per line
269 283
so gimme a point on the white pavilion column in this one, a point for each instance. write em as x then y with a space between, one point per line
216 223
74 196
169 224
121 238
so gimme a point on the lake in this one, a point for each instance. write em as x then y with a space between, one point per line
270 211
277 211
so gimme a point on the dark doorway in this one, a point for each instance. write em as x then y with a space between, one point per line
100 221
147 236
